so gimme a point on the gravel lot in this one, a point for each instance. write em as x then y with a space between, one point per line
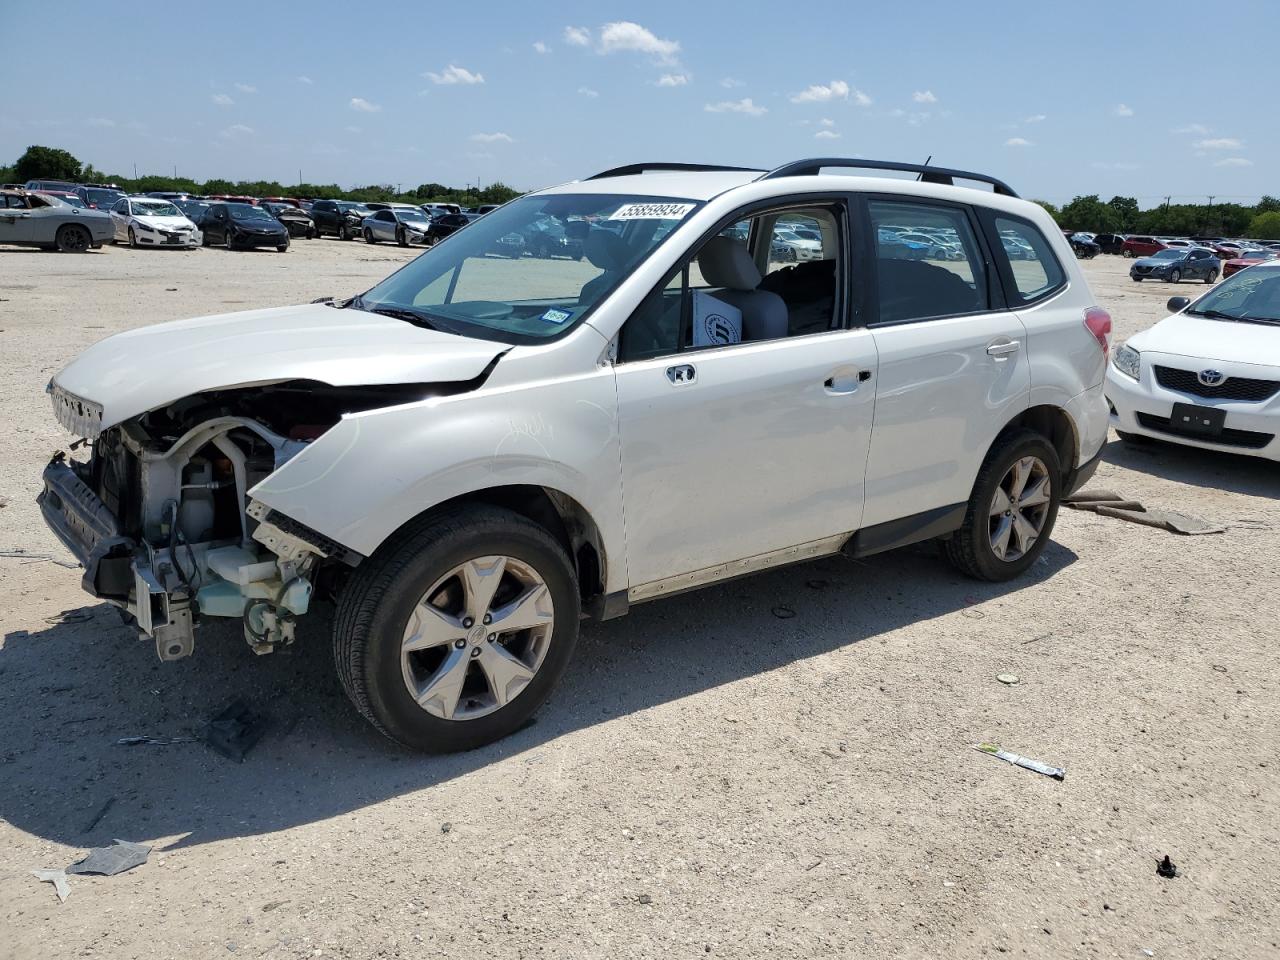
710 779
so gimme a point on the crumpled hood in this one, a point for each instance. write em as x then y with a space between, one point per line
1204 339
140 370
164 223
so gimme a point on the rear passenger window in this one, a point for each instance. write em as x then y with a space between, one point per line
1035 270
928 262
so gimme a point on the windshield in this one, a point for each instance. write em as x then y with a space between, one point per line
102 198
1252 294
242 211
155 208
505 278
412 215
1167 255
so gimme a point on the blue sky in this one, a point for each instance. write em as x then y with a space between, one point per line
1056 98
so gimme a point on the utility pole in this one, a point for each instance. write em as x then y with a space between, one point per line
135 171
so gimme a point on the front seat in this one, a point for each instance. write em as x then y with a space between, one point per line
608 251
725 263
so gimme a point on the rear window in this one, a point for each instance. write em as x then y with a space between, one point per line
1031 268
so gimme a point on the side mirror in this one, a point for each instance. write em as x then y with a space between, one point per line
1177 304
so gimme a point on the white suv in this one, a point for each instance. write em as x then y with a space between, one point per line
487 445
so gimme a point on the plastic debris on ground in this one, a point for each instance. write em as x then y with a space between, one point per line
1008 679
155 741
236 730
1105 503
59 880
1018 760
1165 868
122 855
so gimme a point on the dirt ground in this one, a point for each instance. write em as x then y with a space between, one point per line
710 780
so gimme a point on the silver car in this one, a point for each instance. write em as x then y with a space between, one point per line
39 220
402 225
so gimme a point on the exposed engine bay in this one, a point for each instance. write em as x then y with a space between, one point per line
161 518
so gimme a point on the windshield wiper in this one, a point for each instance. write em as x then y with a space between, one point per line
1213 315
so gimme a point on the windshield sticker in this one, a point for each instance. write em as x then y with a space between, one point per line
557 316
652 211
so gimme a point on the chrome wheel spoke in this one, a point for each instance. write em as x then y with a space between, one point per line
506 673
1035 494
1000 537
431 627
441 693
1024 533
1000 503
531 609
1019 475
480 580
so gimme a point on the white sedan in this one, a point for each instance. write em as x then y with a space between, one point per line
1209 375
150 222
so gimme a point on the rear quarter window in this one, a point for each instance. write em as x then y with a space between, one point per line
1028 266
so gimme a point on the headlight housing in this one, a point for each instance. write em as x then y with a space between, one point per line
1128 361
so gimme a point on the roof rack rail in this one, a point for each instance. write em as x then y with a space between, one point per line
928 173
634 168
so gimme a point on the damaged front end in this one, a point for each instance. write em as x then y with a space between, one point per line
160 514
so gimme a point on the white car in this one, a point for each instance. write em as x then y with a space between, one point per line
1209 375
153 222
478 449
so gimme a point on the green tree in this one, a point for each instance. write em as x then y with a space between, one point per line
1265 226
1267 204
1089 213
46 163
1126 209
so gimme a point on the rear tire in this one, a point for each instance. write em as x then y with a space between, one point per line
1212 277
72 238
396 691
1175 277
368 236
975 548
1127 253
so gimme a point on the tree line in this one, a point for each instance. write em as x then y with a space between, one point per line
53 163
1121 215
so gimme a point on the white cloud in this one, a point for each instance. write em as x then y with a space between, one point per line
826 135
1197 128
672 80
1234 162
1018 142
541 47
577 36
826 122
453 74
492 138
1035 118
364 106
306 80
236 130
1122 110
222 100
246 88
744 105
821 93
924 96
1220 143
729 83
588 92
860 98
101 122
625 35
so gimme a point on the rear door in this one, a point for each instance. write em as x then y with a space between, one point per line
953 365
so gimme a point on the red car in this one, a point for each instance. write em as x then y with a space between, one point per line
1229 249
228 198
289 200
1247 259
1142 246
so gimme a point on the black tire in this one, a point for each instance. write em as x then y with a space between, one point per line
401 237
1212 277
72 238
133 240
282 248
227 240
1175 276
344 233
377 601
1127 253
1137 279
969 549
368 236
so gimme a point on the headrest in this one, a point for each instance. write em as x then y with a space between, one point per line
725 262
605 249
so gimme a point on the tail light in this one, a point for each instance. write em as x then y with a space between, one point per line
1098 323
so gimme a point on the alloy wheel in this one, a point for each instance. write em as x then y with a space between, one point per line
477 637
1019 508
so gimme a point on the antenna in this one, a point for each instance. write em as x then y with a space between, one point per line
920 175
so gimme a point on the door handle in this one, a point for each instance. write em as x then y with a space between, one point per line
682 374
845 381
1002 348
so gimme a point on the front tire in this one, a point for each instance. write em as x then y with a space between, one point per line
401 238
1011 511
1212 277
368 236
282 248
1175 277
72 238
133 239
419 638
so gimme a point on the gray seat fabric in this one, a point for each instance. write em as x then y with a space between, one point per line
725 263
608 251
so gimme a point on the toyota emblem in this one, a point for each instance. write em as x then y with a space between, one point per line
1211 378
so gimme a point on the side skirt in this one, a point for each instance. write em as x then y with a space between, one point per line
891 534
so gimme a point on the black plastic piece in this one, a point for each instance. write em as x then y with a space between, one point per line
927 172
235 731
905 530
633 168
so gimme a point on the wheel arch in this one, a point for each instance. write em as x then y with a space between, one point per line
1054 424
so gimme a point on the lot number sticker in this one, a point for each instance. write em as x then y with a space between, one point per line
652 211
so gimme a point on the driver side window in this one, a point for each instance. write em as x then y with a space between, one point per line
771 275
